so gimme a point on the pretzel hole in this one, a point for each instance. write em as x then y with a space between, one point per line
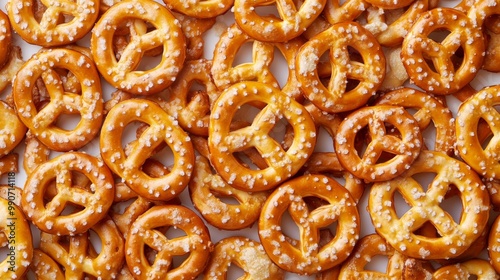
226 199
244 55
267 10
401 206
377 263
452 204
95 242
425 179
234 272
324 141
278 66
148 62
289 228
439 35
68 122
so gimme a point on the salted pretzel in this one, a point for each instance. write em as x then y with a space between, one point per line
339 11
247 254
428 109
194 29
5 38
307 257
88 104
366 250
404 146
492 57
480 107
494 245
224 142
62 22
454 237
16 229
395 72
12 65
418 48
91 204
477 268
79 256
200 8
11 127
163 129
369 72
144 232
44 267
124 73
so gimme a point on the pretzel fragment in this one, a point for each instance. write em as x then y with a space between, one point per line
44 267
5 38
200 8
480 269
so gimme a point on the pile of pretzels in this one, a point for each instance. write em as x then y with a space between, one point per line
141 149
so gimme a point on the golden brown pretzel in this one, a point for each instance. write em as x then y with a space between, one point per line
9 70
494 244
62 22
5 38
418 48
339 11
162 130
194 29
200 8
123 74
247 254
336 96
77 254
91 204
144 232
395 72
11 127
44 267
454 237
88 104
370 165
307 257
223 142
471 269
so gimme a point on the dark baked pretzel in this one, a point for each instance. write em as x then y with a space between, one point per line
454 237
62 22
336 96
145 232
123 73
94 202
247 254
88 104
200 8
224 142
307 257
163 129
418 48
404 146
79 257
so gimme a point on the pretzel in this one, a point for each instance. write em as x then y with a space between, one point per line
92 203
418 48
223 143
339 11
42 123
144 233
307 257
492 57
292 21
162 130
9 70
428 109
481 269
395 72
494 245
78 256
5 38
124 73
336 96
15 228
62 22
404 147
481 106
453 237
200 8
366 250
194 29
11 128
44 267
247 254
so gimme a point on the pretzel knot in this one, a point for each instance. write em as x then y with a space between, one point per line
454 237
91 204
336 96
307 256
450 73
123 73
162 129
43 122
52 29
145 232
224 142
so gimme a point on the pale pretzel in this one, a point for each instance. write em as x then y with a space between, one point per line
368 248
247 254
44 267
200 8
307 257
144 232
292 21
477 268
395 72
42 123
123 74
403 146
418 47
93 203
5 38
16 229
223 143
163 129
78 256
428 109
336 96
453 237
481 106
10 68
62 22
